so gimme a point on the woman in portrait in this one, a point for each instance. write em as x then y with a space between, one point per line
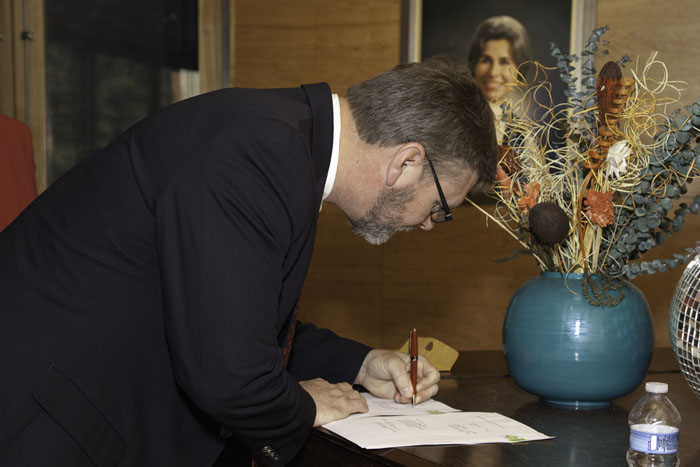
498 53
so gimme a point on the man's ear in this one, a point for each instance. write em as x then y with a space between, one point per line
406 164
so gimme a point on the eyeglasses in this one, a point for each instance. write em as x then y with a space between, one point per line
443 213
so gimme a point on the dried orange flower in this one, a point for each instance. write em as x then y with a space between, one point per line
503 182
599 207
508 161
529 198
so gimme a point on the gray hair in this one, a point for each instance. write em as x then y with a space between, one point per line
436 103
501 27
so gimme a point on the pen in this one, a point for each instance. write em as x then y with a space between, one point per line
413 352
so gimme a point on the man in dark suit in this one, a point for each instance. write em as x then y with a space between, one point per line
149 296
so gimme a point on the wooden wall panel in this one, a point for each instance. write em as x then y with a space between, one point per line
19 66
446 283
443 282
277 43
638 28
209 45
343 289
37 89
280 43
7 79
659 288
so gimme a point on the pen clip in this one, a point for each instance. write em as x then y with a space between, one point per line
413 355
413 344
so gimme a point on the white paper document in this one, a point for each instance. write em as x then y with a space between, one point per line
378 406
386 426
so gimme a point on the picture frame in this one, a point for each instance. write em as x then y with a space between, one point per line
447 26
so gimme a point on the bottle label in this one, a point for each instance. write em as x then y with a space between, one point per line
654 439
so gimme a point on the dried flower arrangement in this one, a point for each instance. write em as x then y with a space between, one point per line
610 189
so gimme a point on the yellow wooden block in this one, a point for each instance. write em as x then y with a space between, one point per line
441 355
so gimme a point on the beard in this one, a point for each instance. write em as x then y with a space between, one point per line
382 220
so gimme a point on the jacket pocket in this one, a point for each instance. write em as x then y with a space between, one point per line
66 403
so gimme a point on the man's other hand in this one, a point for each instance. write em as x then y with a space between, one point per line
385 373
333 401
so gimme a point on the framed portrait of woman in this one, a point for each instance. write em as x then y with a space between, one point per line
449 27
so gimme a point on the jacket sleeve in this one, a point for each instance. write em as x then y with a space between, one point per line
319 353
224 225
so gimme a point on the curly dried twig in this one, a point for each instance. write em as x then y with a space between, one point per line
638 116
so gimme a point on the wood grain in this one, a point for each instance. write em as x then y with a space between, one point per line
282 43
278 43
638 28
7 85
37 88
14 65
209 35
342 291
443 282
671 28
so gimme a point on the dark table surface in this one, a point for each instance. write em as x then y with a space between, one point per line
479 382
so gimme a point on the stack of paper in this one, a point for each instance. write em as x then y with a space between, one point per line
389 424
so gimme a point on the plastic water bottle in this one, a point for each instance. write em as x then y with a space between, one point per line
654 424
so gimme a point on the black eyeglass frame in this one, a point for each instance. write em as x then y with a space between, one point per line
443 201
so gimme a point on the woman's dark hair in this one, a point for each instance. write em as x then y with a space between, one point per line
501 27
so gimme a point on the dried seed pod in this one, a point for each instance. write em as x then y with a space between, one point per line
609 82
549 223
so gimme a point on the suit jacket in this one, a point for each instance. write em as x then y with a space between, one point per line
17 185
147 293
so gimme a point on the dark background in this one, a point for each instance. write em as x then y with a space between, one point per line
109 65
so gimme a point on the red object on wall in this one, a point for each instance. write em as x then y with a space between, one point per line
17 184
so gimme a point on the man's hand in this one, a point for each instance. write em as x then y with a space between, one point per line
333 401
385 373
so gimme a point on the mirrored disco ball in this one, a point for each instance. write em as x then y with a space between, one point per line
684 324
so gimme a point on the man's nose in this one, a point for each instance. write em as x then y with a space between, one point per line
427 224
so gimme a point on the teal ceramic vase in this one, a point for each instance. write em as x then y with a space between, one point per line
560 347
